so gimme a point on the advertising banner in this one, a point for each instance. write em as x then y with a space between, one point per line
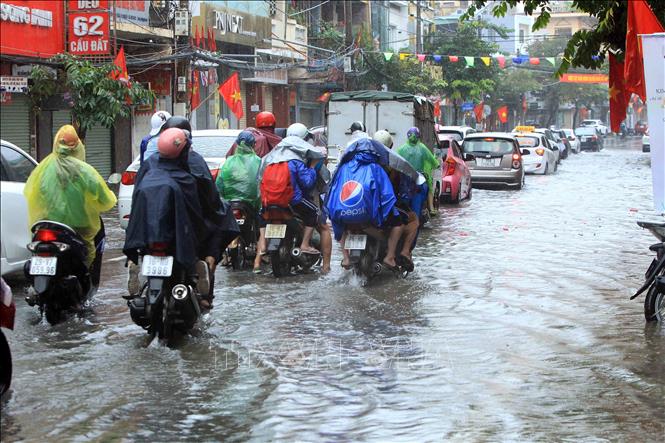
584 78
89 33
653 46
33 28
133 11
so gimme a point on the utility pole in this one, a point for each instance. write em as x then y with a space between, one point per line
348 17
418 29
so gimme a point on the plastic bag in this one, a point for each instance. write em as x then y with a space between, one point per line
238 179
65 189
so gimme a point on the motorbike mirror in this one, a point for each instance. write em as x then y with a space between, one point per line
114 179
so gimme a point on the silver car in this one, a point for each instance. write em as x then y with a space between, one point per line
494 158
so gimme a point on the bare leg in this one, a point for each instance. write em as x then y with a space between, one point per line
326 245
306 239
393 239
410 231
346 261
430 201
260 247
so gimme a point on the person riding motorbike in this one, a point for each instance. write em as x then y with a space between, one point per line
404 189
65 189
357 130
220 227
149 142
166 209
422 159
264 133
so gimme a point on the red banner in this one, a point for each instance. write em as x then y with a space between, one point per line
89 33
33 28
87 5
584 78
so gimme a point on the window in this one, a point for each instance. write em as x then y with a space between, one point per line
521 35
16 166
563 31
213 145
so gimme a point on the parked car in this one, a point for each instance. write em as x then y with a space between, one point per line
456 175
459 132
602 128
212 144
646 143
641 128
589 137
494 158
537 155
15 168
564 138
554 140
573 140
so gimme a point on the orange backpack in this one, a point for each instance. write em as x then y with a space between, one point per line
276 188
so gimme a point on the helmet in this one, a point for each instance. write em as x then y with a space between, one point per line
384 137
68 137
178 122
157 121
265 119
171 142
246 138
298 130
413 131
357 126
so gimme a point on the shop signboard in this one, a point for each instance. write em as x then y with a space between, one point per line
88 25
133 11
250 26
32 28
13 84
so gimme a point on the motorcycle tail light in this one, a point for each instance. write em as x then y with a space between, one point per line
540 151
46 235
158 248
215 173
128 178
237 213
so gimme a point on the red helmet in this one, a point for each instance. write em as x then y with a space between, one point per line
265 119
171 142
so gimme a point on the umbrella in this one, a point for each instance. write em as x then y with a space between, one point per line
291 148
386 157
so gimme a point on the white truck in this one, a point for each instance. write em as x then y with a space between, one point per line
395 112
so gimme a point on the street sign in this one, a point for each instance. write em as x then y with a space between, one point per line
14 84
467 106
88 27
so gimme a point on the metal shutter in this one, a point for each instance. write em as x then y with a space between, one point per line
15 121
267 98
98 150
60 119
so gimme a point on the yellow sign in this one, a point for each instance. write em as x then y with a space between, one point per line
524 129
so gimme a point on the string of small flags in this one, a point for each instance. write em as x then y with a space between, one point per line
471 61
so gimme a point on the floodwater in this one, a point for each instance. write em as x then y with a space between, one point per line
516 325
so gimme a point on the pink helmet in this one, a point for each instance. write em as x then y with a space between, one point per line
171 142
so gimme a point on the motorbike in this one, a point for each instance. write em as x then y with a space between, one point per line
367 247
7 314
242 250
284 232
168 302
654 284
61 282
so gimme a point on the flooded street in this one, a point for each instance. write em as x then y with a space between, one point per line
516 325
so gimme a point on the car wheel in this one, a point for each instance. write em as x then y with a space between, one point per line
521 184
436 201
547 168
468 193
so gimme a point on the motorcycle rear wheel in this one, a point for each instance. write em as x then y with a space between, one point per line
237 255
5 364
281 261
654 305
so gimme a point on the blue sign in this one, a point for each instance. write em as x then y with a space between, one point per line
467 106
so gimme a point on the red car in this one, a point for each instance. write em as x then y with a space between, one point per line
456 183
641 128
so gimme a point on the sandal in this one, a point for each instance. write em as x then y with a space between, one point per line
390 267
257 271
405 263
347 266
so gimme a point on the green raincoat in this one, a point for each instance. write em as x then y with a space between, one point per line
238 179
65 189
420 158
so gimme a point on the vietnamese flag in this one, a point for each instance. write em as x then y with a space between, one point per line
479 110
230 91
618 94
437 109
198 37
120 72
502 112
641 20
196 94
323 98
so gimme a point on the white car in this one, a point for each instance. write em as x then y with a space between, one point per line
212 144
15 168
646 143
537 156
460 132
604 130
575 145
554 142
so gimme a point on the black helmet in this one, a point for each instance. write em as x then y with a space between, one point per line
357 126
177 121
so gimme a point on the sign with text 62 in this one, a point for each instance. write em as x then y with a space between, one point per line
89 33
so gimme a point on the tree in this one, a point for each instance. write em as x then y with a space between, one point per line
585 48
513 84
95 97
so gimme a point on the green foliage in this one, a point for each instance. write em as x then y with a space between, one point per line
328 37
514 83
608 34
408 75
96 98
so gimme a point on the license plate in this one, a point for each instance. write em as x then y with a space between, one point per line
154 266
355 241
275 231
43 265
489 162
240 221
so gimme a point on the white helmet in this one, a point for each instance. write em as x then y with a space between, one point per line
297 130
384 137
157 121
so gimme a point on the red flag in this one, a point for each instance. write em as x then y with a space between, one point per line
198 37
437 108
323 98
212 44
230 91
524 103
453 58
641 20
120 73
618 94
502 61
502 112
196 95
479 110
204 45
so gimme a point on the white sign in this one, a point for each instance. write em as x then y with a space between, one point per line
653 46
254 108
226 22
347 64
182 22
23 14
133 11
13 84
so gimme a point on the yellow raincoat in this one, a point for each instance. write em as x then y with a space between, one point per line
65 189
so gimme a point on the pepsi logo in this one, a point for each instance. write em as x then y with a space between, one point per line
352 193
